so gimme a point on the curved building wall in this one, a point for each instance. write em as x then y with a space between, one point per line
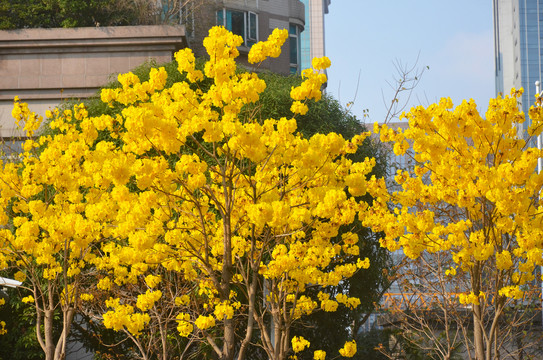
254 20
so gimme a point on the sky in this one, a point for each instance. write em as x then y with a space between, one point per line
452 42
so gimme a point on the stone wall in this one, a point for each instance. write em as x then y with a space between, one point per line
44 66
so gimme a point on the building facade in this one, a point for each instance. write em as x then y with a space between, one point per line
518 46
44 66
254 20
312 39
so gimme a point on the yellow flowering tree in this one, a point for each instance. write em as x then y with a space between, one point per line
473 195
190 180
46 238
244 207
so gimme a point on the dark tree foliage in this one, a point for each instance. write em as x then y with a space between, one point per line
20 341
24 14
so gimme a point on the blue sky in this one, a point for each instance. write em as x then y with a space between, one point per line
453 38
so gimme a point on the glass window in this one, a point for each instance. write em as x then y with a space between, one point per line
235 22
242 23
252 29
220 17
292 29
294 48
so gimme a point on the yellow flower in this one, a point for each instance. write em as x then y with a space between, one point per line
184 327
503 260
299 344
319 355
298 107
152 280
321 63
270 48
86 297
363 264
182 300
513 292
349 349
224 309
20 276
104 284
146 301
205 322
329 305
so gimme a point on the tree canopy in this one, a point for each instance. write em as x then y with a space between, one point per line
23 14
473 198
194 181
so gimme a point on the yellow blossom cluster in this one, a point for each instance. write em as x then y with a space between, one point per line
319 355
310 88
148 300
224 310
270 48
204 322
350 302
299 344
473 191
513 292
327 304
184 326
470 298
25 119
349 349
304 306
123 317
86 297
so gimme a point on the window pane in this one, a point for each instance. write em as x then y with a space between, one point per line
292 29
293 50
220 18
252 27
236 23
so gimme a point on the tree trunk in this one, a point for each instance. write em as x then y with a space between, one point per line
60 351
229 340
478 338
48 335
251 314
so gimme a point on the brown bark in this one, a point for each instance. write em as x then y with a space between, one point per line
250 320
478 337
48 334
226 279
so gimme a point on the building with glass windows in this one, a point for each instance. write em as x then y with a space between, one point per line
254 20
312 38
518 47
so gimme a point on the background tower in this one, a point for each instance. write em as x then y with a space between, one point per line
312 38
518 46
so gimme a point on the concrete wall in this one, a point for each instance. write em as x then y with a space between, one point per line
44 66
